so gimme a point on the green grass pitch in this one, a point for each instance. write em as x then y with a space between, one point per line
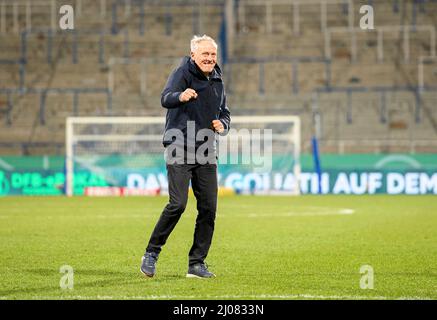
308 247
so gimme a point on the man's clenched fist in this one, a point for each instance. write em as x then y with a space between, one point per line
187 95
218 126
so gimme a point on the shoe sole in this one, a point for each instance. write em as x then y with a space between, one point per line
148 275
190 275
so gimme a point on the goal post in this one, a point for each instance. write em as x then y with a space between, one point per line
260 155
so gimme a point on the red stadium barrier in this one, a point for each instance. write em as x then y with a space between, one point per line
119 192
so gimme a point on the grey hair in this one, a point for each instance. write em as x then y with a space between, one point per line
197 39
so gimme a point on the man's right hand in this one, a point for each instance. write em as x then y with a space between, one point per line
187 95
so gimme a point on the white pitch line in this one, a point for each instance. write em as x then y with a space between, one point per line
346 211
223 297
320 212
145 216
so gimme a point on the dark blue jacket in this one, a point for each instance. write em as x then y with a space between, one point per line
209 105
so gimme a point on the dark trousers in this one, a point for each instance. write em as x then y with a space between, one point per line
204 183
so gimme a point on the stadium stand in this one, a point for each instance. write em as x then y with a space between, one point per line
286 57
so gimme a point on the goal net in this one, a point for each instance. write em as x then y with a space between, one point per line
125 156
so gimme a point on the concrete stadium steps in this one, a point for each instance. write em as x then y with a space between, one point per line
367 117
180 20
279 77
9 75
37 47
427 127
41 133
251 45
361 74
367 45
135 105
40 18
275 105
27 112
311 76
24 117
246 95
137 47
244 79
60 106
140 47
269 104
128 77
384 14
81 75
419 45
408 74
9 47
63 47
310 16
44 148
423 130
91 16
430 73
15 149
421 18
254 18
88 47
335 125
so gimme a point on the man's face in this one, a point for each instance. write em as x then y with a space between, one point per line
205 56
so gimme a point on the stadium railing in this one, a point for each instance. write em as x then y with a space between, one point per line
27 5
376 146
26 147
22 68
168 18
43 92
75 34
405 29
142 70
420 71
16 8
348 9
292 61
27 8
415 90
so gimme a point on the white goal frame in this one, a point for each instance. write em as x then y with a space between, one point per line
71 138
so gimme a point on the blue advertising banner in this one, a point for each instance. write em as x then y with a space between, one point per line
342 174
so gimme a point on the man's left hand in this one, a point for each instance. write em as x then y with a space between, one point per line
218 126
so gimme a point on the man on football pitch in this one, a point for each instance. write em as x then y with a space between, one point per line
195 98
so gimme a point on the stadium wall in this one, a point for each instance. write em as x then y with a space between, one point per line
342 174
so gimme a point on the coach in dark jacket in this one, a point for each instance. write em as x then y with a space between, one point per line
195 98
